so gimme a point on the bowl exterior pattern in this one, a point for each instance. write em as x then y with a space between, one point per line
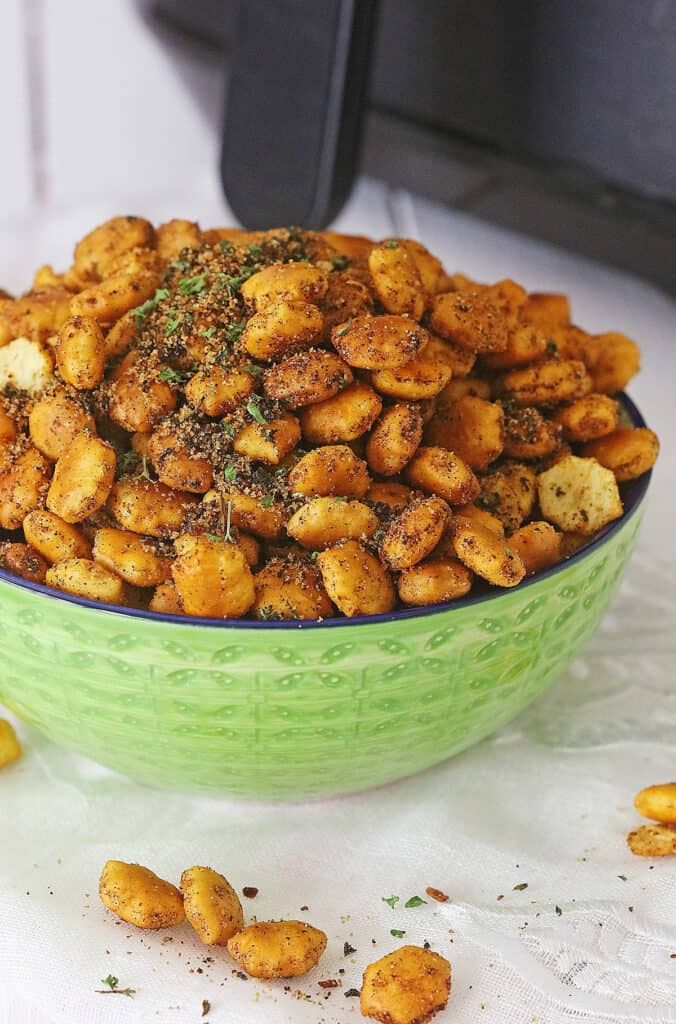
288 714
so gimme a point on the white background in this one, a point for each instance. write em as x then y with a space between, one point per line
100 118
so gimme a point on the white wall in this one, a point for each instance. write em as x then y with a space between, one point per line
16 171
118 114
102 115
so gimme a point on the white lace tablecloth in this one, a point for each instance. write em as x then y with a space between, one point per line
546 802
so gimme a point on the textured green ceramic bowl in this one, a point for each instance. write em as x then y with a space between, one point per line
285 711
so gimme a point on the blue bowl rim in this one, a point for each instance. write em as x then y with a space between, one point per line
634 493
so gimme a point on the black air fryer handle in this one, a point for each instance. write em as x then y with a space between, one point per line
299 71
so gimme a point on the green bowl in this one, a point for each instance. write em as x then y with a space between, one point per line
282 710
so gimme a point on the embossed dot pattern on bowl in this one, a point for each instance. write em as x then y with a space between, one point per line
296 713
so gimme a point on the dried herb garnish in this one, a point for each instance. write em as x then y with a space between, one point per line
391 245
391 900
112 982
234 283
622 878
127 462
228 516
268 613
192 285
149 305
144 471
558 911
208 332
230 473
172 376
169 374
255 251
415 901
172 324
344 329
254 411
348 949
267 501
234 331
206 1006
339 262
397 933
520 887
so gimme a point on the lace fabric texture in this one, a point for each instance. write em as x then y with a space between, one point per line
550 918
